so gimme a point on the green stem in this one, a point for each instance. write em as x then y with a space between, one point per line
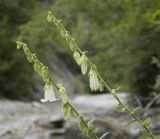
75 111
78 115
138 120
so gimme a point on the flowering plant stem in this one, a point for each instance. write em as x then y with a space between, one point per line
49 79
73 46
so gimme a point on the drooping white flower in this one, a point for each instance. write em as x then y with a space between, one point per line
49 94
83 62
93 80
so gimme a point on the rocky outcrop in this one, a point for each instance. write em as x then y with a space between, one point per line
34 120
30 120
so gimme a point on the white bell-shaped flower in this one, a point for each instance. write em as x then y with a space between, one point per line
93 80
49 94
83 64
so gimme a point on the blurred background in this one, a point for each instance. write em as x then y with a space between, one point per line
122 38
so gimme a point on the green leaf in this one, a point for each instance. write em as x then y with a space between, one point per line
91 121
85 132
124 109
136 110
63 93
65 111
80 123
131 122
104 135
72 113
119 107
147 121
145 136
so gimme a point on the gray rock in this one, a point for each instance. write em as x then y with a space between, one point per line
21 120
103 104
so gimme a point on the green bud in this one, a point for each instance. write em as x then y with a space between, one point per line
62 32
19 44
72 113
119 107
85 132
101 87
34 58
72 45
80 123
63 93
49 17
77 57
26 51
68 37
65 111
56 22
29 58
114 93
37 67
44 74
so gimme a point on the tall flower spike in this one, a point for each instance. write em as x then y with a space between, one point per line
49 94
83 62
93 80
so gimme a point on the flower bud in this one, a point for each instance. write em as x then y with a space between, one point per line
77 57
44 74
72 45
29 58
19 45
72 113
83 62
101 87
49 17
37 67
63 93
65 111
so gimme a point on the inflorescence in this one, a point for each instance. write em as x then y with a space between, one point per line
86 128
96 83
95 79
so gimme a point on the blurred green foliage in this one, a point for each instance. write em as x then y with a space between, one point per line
15 81
121 37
